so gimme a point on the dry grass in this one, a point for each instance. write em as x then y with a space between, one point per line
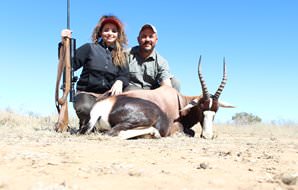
31 121
12 119
260 156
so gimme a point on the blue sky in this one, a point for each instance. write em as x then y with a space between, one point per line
258 38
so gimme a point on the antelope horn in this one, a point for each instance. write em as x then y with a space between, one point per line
206 95
223 82
225 104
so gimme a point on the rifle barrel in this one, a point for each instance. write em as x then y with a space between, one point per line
68 14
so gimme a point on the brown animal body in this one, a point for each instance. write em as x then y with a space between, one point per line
121 113
186 111
182 112
168 99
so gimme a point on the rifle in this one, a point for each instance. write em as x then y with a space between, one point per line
66 54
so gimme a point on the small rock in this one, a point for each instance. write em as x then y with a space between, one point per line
289 179
203 165
134 173
2 185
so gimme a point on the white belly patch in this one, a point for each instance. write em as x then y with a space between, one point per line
101 109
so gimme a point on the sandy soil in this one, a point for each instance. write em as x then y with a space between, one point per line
255 157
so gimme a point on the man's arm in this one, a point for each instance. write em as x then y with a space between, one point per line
166 82
164 71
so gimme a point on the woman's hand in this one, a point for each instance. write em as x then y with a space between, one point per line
116 88
66 33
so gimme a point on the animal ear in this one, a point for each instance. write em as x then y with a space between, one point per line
191 104
225 105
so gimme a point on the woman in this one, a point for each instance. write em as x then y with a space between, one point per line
104 65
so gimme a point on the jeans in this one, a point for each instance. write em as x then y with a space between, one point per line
82 104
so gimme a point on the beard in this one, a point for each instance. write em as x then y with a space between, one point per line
146 48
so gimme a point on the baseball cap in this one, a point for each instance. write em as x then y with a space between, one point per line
113 21
149 26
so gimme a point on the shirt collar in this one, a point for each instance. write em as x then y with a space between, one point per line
151 56
103 44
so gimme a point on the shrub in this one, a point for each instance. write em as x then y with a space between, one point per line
244 118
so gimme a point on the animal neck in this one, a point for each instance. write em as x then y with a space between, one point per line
189 117
188 99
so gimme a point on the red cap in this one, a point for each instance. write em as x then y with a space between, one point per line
113 21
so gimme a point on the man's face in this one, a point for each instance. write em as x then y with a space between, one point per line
147 39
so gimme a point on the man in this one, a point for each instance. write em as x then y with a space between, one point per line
148 70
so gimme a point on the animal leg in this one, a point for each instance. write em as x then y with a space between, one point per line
119 127
162 124
83 129
128 130
88 127
189 132
175 127
133 133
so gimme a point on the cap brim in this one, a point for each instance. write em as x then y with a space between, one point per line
149 26
113 21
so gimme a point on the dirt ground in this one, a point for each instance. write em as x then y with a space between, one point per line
33 156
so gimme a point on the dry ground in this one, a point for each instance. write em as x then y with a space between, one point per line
33 156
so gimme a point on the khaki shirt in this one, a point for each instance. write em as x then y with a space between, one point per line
147 73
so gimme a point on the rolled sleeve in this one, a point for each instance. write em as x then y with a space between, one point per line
163 70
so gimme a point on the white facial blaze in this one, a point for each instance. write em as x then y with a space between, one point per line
100 109
207 131
210 103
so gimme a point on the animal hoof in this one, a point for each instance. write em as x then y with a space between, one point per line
60 127
82 130
112 133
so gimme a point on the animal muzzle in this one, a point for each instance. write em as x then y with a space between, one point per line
207 128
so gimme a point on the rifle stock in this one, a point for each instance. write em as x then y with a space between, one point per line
64 67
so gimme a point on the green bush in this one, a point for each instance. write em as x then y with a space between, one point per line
244 118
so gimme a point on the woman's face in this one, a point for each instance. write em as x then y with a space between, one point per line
109 33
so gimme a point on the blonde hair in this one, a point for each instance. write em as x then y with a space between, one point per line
118 53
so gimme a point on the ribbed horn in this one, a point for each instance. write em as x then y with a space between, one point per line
223 82
206 95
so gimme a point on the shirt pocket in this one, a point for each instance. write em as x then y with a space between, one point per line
150 76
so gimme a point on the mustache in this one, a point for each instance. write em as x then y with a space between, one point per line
147 42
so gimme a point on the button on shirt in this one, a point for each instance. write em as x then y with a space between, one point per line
147 73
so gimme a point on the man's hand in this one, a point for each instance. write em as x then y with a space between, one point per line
166 82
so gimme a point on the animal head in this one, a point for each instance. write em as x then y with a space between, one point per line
207 105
